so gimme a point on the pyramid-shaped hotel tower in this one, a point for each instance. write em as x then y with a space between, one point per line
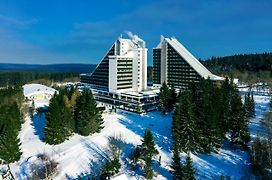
123 68
120 79
175 65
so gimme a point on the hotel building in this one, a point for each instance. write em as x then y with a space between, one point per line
120 79
176 66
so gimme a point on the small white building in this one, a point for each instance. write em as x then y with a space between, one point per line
39 94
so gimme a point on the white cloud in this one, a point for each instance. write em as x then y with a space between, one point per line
11 22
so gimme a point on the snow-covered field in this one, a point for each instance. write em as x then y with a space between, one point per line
84 155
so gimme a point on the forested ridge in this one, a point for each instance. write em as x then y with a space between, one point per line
20 74
21 78
241 62
249 68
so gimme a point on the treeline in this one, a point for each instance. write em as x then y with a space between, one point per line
11 119
21 78
204 115
249 68
71 111
243 62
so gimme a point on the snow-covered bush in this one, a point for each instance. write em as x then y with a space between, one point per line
42 167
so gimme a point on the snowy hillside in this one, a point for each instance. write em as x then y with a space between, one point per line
84 155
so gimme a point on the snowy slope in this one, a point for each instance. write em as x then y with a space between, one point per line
84 155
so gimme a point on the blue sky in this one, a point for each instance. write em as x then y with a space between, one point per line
81 31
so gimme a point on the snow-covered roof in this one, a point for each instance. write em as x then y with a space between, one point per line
190 59
30 89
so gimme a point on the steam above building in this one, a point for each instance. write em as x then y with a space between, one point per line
123 68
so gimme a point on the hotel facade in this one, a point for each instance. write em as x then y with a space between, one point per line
176 66
120 79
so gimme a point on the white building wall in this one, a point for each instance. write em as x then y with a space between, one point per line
112 73
130 49
135 70
144 69
163 61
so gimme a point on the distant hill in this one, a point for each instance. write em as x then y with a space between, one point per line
250 68
77 68
241 62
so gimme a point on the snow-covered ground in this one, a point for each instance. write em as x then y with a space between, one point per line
84 155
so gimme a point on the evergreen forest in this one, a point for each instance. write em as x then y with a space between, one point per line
11 118
205 115
71 111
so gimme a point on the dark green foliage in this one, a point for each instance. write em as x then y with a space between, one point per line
10 124
146 151
176 165
206 113
249 105
208 123
252 106
148 145
184 127
110 168
113 165
246 62
173 97
88 118
136 154
148 171
21 78
167 98
239 122
261 158
10 95
188 169
248 68
226 92
59 120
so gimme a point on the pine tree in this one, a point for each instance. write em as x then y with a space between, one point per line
176 165
148 144
164 98
252 105
136 154
247 105
225 110
59 120
9 144
148 171
167 98
184 128
88 118
110 168
239 122
10 124
188 169
209 123
148 151
173 97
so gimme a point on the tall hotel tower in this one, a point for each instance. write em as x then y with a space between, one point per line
120 79
123 68
176 66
